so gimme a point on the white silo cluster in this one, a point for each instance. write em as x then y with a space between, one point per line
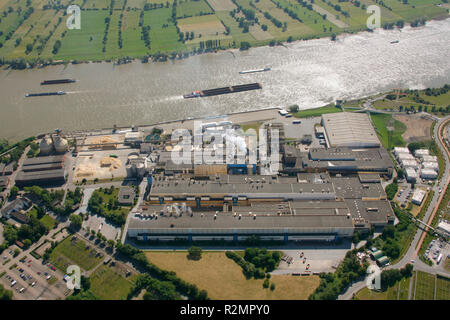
136 165
54 143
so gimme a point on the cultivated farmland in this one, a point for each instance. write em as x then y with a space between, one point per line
36 30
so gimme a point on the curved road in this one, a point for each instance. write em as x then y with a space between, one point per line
420 234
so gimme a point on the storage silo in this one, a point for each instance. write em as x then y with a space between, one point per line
46 146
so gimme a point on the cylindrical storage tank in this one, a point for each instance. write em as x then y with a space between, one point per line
131 170
140 169
46 146
61 145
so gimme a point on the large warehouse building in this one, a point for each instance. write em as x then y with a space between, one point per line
345 129
304 221
47 170
307 207
242 189
337 160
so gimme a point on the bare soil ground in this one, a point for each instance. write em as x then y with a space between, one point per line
418 129
222 5
204 25
259 34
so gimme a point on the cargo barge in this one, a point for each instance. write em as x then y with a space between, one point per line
224 90
253 71
57 81
56 93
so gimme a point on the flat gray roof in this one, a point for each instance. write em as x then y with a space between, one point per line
352 188
43 160
376 211
40 175
227 221
236 186
349 129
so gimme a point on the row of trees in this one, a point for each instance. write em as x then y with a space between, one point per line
391 190
333 284
5 294
138 257
111 210
26 233
256 262
155 289
391 276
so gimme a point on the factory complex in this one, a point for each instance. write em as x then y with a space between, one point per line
324 186
321 193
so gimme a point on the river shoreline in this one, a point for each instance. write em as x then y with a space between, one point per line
128 59
309 74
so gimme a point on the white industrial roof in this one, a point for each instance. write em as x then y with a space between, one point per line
430 158
410 172
418 195
444 226
401 150
431 165
422 152
405 156
409 163
349 129
428 173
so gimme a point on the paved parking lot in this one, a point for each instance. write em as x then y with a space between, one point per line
436 248
321 258
108 230
297 131
404 194
34 281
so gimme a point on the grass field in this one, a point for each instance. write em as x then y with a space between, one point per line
404 289
417 100
424 286
40 30
163 34
367 294
190 8
68 252
222 278
48 221
316 112
400 291
107 284
442 288
389 138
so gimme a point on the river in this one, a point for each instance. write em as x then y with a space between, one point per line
308 73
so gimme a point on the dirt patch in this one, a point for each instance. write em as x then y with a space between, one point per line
221 5
418 129
259 34
205 25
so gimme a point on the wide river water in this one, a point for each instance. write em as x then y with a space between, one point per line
308 73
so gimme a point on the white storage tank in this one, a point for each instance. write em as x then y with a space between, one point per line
46 146
61 145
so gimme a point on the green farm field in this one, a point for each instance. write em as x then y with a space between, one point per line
36 30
